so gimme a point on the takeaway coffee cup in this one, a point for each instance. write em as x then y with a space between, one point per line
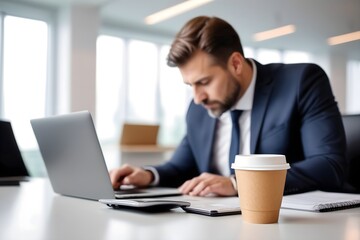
260 180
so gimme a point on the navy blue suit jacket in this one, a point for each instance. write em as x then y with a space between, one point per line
294 113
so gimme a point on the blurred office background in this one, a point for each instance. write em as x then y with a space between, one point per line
60 56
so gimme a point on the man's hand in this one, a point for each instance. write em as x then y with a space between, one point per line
129 175
208 183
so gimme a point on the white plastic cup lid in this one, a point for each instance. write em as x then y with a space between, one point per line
261 162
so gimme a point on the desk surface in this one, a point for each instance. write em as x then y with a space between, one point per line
33 211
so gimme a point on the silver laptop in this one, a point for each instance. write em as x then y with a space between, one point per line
74 160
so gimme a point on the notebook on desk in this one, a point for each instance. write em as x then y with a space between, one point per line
74 160
320 201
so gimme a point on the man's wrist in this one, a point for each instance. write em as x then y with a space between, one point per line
154 174
151 175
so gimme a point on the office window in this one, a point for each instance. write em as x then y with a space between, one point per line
249 52
135 84
353 87
296 57
142 82
175 98
25 51
266 56
110 99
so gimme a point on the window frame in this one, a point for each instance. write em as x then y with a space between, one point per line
34 12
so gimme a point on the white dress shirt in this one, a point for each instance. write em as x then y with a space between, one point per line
223 129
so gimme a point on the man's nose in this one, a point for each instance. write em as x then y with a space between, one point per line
199 95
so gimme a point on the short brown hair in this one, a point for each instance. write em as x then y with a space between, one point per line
209 34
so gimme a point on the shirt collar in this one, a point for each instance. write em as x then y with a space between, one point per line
246 101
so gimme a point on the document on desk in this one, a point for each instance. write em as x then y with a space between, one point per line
319 201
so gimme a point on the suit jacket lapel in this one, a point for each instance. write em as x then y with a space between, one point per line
208 144
201 132
263 88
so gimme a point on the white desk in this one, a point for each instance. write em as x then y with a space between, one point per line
33 211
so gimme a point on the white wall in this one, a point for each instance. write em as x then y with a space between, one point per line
76 86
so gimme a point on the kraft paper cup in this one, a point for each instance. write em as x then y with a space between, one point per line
260 180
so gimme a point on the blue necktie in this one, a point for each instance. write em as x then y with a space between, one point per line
235 137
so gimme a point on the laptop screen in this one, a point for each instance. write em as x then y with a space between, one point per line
73 156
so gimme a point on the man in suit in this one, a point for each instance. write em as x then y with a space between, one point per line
285 109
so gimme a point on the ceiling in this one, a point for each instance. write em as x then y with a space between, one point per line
315 20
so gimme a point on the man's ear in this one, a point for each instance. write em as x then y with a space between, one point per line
235 63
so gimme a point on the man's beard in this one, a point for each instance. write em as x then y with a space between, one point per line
228 102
